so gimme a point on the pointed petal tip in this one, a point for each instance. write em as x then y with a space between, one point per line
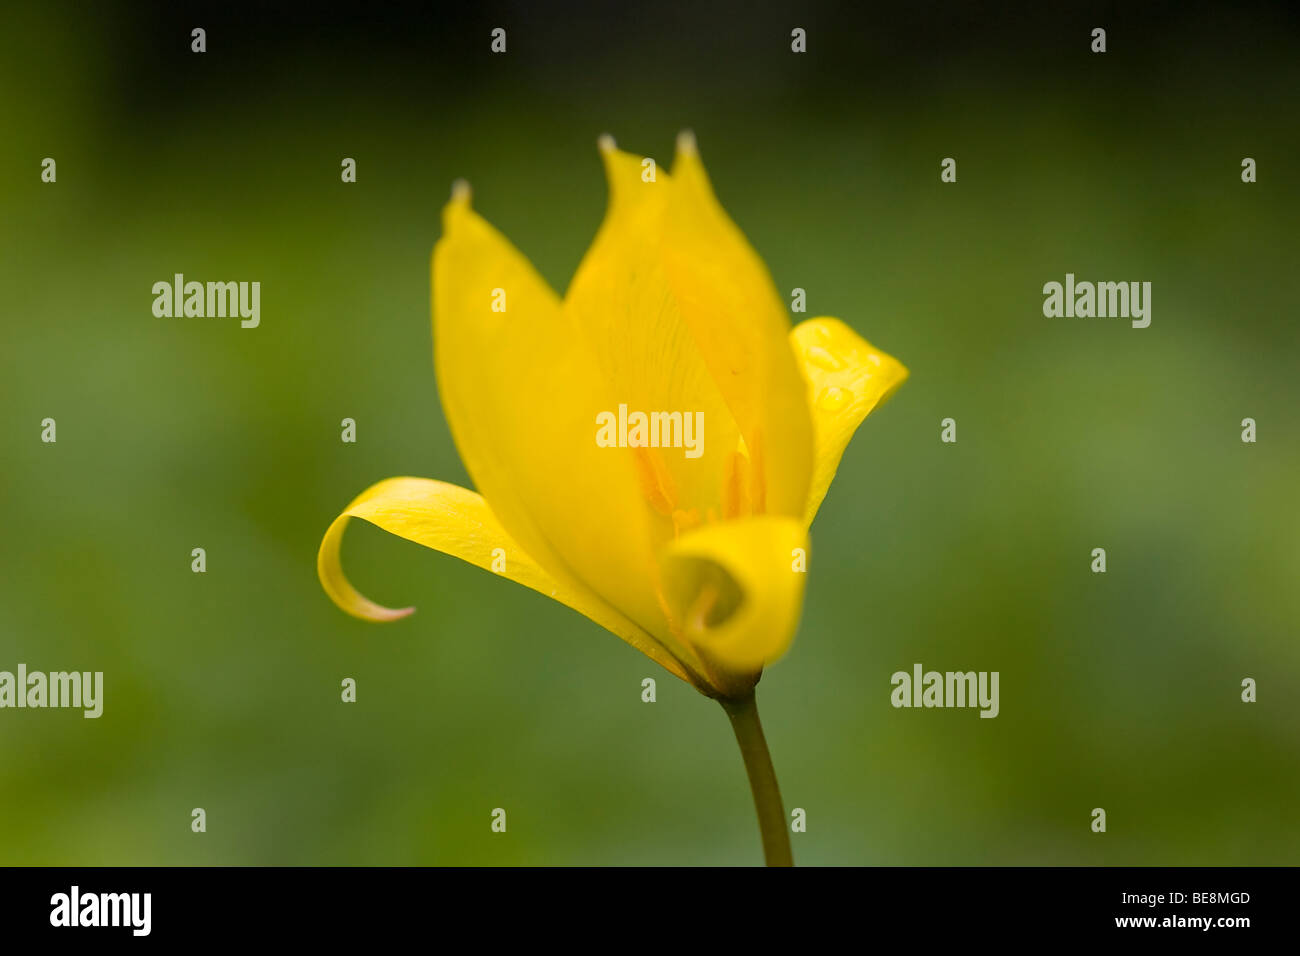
686 145
329 569
605 143
376 613
460 191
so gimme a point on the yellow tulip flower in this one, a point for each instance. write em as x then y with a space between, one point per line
697 560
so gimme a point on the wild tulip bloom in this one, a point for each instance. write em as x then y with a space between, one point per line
697 560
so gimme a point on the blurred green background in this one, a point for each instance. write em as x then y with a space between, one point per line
1119 691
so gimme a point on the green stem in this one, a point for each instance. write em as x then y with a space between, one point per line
743 712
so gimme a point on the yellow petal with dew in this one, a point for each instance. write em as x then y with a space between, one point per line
458 522
846 378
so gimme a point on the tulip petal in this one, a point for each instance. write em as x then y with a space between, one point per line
458 522
847 377
621 300
522 390
737 588
738 320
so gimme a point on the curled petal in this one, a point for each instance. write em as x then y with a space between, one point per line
458 522
737 590
847 377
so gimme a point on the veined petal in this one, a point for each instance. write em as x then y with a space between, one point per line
458 522
522 392
847 377
621 300
737 590
736 315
